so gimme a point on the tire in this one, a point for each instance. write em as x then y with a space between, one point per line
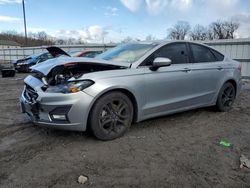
111 116
226 97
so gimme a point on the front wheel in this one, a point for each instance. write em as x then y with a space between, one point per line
226 97
111 116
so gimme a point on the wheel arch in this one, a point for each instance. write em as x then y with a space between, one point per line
232 81
229 80
125 91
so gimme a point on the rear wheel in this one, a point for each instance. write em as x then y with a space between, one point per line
226 97
111 116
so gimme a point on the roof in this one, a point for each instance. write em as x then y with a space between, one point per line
9 43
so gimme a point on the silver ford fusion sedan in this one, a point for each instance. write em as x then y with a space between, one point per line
129 83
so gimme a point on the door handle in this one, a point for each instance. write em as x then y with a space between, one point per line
186 70
219 68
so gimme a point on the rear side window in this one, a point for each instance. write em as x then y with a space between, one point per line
176 52
202 54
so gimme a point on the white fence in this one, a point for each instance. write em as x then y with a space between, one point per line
10 54
238 49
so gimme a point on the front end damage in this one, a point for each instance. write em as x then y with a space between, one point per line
58 100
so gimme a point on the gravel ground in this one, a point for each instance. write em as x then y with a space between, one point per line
180 150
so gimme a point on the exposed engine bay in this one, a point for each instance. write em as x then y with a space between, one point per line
62 73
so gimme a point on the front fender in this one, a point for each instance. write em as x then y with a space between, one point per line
135 88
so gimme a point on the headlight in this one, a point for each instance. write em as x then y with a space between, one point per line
71 87
74 87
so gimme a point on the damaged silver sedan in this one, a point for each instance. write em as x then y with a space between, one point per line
129 83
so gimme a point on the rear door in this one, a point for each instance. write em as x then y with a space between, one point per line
207 70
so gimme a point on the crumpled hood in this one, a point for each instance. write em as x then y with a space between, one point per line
46 66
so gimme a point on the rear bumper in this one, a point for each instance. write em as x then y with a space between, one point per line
40 111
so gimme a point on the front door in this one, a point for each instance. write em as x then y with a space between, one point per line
168 89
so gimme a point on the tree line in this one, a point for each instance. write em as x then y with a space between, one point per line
216 30
179 31
33 39
37 39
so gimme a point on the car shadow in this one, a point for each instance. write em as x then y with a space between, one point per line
173 118
160 121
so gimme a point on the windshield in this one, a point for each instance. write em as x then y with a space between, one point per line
127 53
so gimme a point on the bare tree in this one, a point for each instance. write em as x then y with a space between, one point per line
179 30
32 40
71 41
224 29
42 35
199 32
210 33
218 29
230 27
60 41
80 41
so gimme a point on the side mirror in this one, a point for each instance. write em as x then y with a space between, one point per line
160 62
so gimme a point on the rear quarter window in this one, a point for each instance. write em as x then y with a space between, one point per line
218 56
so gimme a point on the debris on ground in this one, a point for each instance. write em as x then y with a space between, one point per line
225 143
82 179
244 162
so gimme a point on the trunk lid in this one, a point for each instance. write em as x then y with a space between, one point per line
56 51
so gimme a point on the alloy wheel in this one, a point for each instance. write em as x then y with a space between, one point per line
114 116
228 96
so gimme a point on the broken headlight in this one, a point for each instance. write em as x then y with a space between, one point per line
71 87
74 87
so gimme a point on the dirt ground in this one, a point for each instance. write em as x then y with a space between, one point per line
180 150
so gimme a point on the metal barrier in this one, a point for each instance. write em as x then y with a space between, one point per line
238 49
10 54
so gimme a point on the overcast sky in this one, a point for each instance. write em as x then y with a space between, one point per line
117 19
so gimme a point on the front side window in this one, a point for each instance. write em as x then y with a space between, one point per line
177 53
202 54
